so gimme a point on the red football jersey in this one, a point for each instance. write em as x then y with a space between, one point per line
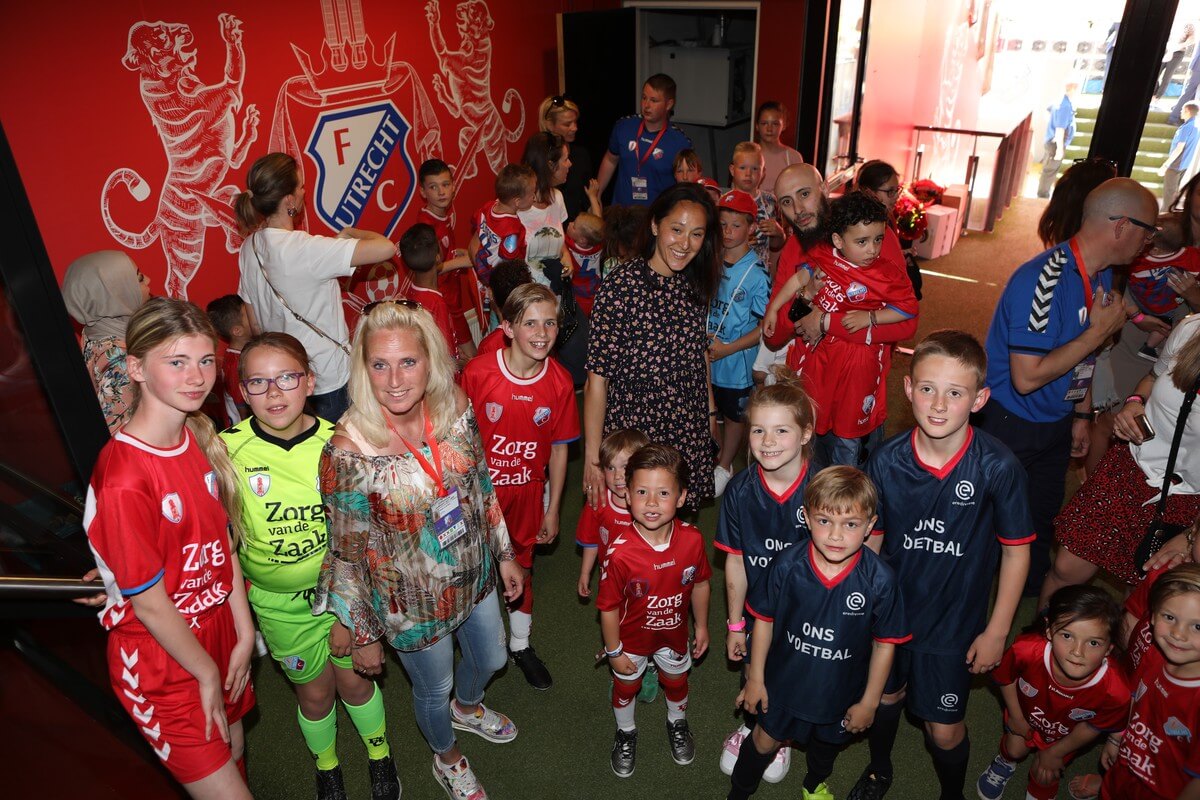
1053 710
1138 605
501 236
651 588
155 515
1159 755
432 301
443 227
496 340
597 527
520 418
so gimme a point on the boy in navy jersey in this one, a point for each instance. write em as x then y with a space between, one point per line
952 504
829 617
657 571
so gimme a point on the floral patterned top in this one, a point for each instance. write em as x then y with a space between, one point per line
385 574
648 338
105 359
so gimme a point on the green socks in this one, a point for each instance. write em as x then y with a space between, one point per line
321 738
369 720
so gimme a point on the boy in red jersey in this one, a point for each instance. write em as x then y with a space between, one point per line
597 526
496 231
656 571
525 403
420 253
231 317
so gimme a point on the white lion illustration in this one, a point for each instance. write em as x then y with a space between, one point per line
464 86
199 132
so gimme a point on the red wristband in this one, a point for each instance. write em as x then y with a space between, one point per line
736 627
1138 317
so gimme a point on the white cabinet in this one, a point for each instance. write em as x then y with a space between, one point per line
714 84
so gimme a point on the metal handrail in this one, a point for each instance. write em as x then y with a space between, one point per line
33 587
964 131
66 502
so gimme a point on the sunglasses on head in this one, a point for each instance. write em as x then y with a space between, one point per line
399 301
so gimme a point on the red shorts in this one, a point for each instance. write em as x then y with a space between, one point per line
523 512
164 699
847 382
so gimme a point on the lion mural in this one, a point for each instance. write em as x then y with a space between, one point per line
201 138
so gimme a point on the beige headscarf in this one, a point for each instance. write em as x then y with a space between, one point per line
101 292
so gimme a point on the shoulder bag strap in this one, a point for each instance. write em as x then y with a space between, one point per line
1184 410
340 345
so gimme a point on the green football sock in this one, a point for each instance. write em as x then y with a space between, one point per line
321 738
369 720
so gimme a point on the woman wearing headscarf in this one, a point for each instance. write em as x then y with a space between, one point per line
101 291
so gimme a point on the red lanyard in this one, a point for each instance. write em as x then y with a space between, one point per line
638 143
1087 281
431 468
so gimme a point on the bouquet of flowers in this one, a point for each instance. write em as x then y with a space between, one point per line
927 191
908 217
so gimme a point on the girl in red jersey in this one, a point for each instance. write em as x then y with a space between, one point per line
1158 756
180 633
1062 689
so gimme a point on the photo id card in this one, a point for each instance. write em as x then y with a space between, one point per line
1081 379
448 522
641 188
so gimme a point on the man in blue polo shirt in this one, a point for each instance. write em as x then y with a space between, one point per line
1060 130
1055 312
642 148
1183 150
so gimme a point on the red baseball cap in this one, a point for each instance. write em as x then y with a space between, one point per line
709 183
737 200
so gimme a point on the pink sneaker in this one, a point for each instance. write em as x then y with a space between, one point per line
731 748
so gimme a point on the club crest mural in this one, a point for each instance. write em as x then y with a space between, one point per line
180 101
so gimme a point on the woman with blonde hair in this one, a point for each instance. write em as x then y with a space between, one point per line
290 277
416 535
560 115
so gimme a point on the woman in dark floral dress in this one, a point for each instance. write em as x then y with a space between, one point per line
646 354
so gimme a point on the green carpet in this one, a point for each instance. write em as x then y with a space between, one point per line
566 733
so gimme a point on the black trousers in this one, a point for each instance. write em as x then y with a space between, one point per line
1044 450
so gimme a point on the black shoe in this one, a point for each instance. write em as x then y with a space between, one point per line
329 784
534 668
624 753
683 747
385 785
870 786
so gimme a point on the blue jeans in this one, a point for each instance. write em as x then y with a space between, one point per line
833 449
331 405
481 639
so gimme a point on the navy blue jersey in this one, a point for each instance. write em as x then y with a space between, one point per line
757 524
942 531
821 641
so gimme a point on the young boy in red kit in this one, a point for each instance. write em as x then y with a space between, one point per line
496 231
231 317
525 403
435 182
656 572
419 250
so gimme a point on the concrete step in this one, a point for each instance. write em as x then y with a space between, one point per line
1088 115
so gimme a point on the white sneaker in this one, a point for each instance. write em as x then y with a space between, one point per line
780 766
458 780
721 477
731 748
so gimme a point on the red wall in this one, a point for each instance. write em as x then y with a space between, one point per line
75 117
922 69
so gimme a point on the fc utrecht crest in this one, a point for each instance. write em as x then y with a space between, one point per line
494 410
365 173
260 483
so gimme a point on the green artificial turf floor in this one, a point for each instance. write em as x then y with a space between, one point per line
565 735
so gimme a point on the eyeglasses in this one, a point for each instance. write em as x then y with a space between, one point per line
398 301
285 383
1151 230
892 192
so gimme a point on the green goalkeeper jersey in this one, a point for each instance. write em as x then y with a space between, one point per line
285 534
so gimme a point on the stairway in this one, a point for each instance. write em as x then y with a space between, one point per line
1152 149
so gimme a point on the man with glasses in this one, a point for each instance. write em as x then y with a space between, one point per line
1055 313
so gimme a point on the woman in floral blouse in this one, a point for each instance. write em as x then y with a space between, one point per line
416 536
101 291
